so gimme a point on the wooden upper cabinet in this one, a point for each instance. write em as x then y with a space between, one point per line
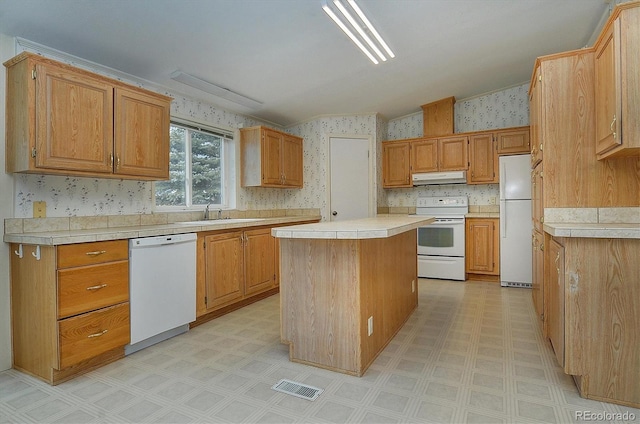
68 121
439 154
292 170
535 117
424 155
483 161
452 153
141 135
74 125
270 158
617 85
513 141
396 164
438 118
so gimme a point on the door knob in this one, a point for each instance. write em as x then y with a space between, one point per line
334 213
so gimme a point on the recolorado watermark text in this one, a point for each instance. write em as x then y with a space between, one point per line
604 416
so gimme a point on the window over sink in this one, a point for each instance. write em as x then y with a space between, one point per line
200 167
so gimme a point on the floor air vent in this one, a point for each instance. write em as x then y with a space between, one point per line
514 284
297 389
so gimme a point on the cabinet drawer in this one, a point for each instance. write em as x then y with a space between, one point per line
91 334
80 254
84 289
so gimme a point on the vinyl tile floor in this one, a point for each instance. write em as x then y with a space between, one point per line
471 352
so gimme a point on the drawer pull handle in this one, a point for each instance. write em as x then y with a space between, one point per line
98 287
96 253
103 332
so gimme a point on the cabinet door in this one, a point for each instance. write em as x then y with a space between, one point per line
292 171
424 155
554 268
513 141
74 121
259 256
608 104
537 204
535 119
537 286
483 160
395 164
481 246
141 135
271 157
88 335
224 266
452 154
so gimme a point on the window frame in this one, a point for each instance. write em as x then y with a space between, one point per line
227 173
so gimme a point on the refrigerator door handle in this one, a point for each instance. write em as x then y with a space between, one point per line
503 175
503 218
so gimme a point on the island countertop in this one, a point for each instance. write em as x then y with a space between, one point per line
381 226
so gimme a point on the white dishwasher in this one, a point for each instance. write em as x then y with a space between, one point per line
162 288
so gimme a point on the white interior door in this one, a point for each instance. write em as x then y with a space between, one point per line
351 182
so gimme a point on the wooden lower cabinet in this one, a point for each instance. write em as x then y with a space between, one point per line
260 261
593 298
69 307
537 281
234 268
482 245
556 300
224 268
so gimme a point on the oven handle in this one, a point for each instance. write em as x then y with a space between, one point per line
446 223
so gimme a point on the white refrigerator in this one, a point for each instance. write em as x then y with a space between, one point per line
515 221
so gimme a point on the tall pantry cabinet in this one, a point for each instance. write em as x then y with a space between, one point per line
585 289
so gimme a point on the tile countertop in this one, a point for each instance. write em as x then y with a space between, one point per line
381 226
593 230
616 222
53 238
483 215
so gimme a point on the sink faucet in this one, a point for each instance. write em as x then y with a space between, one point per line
219 213
206 211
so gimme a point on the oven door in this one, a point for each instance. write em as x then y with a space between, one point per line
444 237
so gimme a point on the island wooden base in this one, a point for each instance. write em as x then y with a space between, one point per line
332 288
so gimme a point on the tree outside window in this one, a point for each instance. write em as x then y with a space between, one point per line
195 169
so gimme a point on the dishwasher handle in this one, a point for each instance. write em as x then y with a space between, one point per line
162 240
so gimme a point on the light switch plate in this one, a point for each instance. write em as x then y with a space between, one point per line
40 209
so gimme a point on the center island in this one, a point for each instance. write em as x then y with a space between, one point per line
346 288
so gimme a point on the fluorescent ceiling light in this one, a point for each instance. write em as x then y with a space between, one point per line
216 90
358 27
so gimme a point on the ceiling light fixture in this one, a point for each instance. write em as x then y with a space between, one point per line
362 31
216 90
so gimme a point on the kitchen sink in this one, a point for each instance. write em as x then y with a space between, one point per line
221 221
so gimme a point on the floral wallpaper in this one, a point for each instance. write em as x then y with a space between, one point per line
76 196
501 109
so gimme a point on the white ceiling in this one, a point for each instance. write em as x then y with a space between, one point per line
290 56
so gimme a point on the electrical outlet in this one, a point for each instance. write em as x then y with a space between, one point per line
40 209
493 200
370 325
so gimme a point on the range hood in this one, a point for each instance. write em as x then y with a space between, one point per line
451 177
